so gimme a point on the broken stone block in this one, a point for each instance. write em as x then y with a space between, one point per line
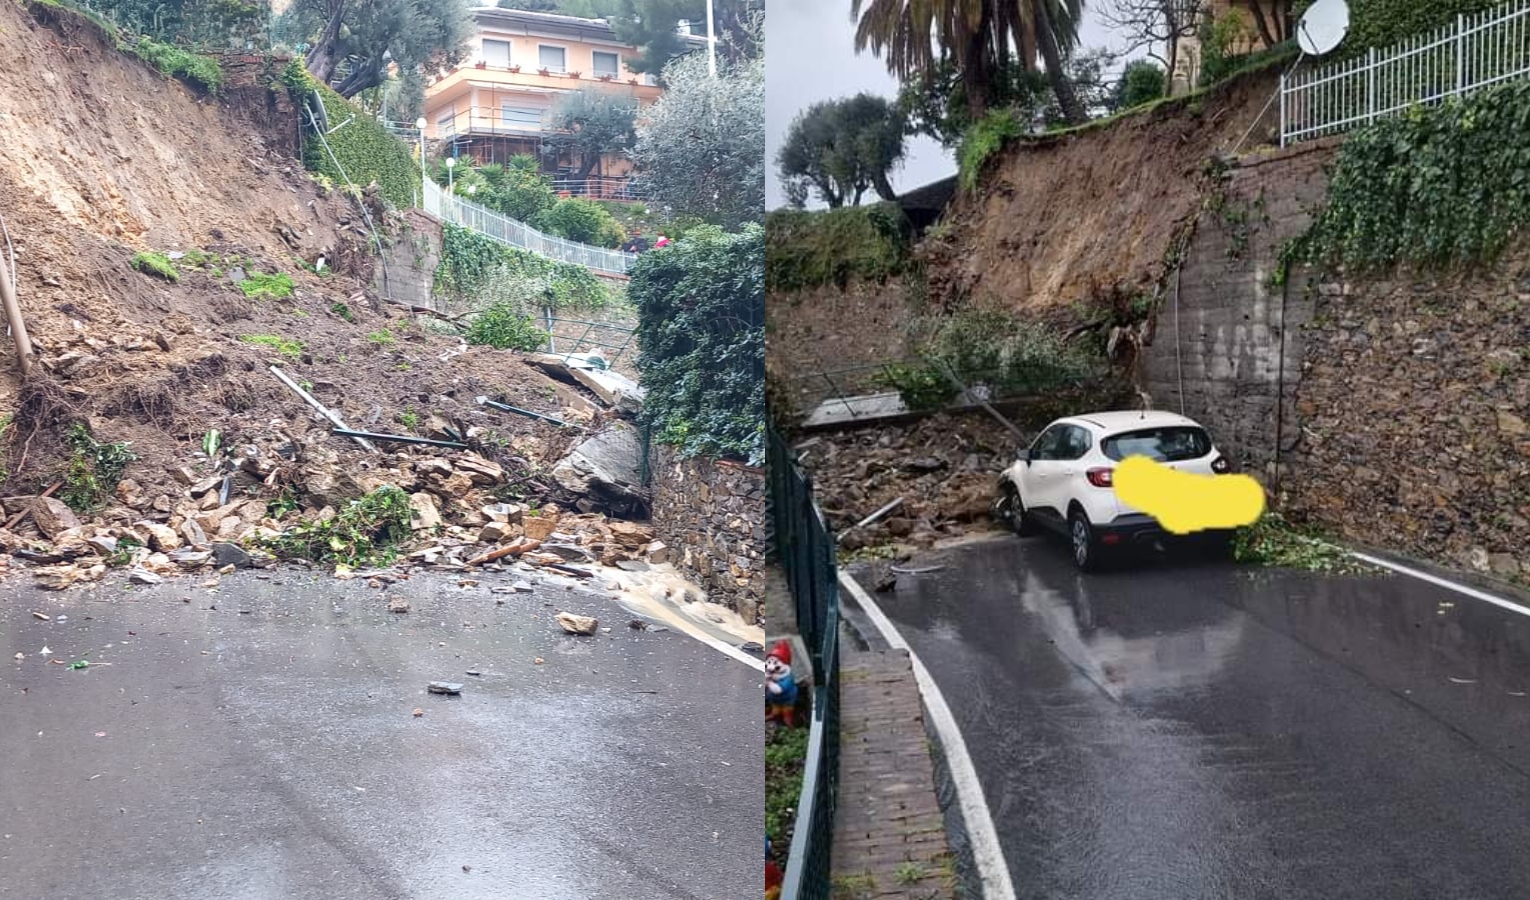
433 468
658 553
53 516
183 475
157 536
104 545
631 534
494 532
141 575
456 487
481 470
504 512
539 528
423 514
231 555
398 605
211 483
574 624
193 532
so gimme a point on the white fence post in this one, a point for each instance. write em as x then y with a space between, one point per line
1282 109
1370 86
1460 53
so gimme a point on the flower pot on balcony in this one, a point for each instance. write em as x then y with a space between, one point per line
632 81
607 77
515 70
481 64
575 75
544 72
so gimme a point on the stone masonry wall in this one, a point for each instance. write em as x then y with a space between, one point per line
711 513
1405 413
1227 351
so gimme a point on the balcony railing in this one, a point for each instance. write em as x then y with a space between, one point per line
478 121
599 187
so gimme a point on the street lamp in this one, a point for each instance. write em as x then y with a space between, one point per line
420 125
451 163
711 43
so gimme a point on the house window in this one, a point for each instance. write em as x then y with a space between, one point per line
497 53
446 123
551 58
520 118
606 64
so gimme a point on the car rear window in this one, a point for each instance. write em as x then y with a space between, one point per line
1170 444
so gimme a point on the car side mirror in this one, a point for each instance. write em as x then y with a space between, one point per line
1024 456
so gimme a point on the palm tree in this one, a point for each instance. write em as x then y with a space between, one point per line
980 36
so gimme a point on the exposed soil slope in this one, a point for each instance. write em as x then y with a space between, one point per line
1061 219
103 158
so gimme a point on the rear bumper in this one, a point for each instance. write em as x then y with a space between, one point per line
1138 528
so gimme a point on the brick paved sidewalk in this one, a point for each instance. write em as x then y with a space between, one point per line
889 835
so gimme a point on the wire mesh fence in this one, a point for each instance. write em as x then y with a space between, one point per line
518 234
804 545
1475 52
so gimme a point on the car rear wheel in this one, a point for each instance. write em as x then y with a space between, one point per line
1011 510
1086 550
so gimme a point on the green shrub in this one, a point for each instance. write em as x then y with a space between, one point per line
701 333
281 345
156 264
503 326
984 139
806 249
366 150
472 265
1272 541
382 337
584 221
921 387
365 531
343 311
785 757
93 470
260 285
199 71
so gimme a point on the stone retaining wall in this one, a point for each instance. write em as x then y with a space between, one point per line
711 513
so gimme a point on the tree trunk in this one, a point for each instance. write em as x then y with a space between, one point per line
883 186
977 80
361 78
321 57
1057 75
1260 22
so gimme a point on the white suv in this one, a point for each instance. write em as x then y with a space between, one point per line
1063 480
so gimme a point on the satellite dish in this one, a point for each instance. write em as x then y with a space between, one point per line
1323 27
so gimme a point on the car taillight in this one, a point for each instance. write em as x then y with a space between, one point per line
1220 465
1099 477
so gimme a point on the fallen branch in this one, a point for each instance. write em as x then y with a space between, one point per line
521 545
15 520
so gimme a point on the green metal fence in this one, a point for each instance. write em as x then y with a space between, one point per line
803 544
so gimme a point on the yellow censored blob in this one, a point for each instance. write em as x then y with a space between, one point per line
1183 502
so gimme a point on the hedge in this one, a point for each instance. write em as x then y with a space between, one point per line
366 149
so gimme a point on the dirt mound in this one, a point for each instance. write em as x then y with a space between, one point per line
105 159
1058 220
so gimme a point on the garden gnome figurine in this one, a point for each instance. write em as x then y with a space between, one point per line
780 686
773 877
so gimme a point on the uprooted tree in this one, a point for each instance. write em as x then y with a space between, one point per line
354 41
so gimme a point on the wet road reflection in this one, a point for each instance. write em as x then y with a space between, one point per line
259 743
1181 730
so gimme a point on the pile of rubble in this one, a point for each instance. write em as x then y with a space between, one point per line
937 475
471 507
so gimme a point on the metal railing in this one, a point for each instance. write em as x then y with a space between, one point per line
491 224
599 187
489 121
804 545
624 334
1477 51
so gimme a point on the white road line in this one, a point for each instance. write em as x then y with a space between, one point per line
1444 583
986 853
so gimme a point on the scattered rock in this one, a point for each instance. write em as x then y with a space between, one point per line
159 537
574 624
444 687
141 575
52 516
398 605
539 528
423 514
104 545
231 555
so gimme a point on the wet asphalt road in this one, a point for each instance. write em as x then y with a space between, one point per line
1183 730
266 748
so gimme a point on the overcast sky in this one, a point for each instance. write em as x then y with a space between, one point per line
810 56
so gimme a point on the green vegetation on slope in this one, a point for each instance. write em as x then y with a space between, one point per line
806 249
1435 186
478 269
364 148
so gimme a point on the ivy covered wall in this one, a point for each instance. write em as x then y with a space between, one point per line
364 148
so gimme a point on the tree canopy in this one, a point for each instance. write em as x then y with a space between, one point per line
1141 81
590 124
351 42
840 148
977 37
701 146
